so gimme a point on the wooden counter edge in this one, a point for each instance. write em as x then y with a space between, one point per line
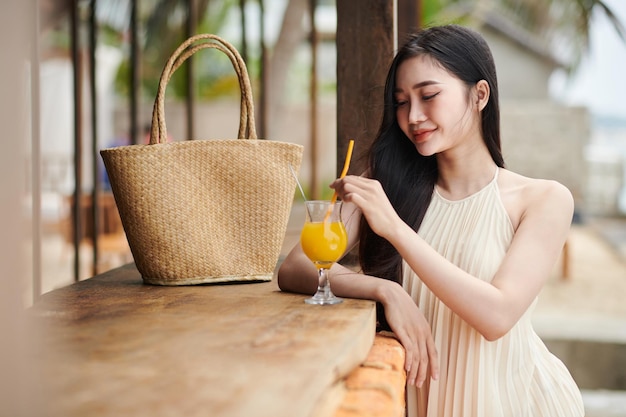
377 387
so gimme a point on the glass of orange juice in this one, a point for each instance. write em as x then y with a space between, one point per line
324 240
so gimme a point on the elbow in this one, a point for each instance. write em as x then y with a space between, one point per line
291 276
496 328
493 335
282 277
297 274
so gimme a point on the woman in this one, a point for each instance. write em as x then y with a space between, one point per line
464 245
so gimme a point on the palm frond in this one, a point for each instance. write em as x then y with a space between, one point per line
617 24
564 26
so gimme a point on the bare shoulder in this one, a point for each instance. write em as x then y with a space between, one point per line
523 196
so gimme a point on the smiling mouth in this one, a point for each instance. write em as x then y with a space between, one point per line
422 134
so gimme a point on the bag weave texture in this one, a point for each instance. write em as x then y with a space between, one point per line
204 211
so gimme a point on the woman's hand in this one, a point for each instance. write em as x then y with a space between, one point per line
414 333
404 317
368 195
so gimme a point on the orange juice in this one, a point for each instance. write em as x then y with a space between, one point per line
324 242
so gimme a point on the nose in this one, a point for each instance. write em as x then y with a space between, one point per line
416 114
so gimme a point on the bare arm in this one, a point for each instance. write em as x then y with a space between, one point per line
492 308
297 274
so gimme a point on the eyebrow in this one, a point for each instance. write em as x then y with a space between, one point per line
420 85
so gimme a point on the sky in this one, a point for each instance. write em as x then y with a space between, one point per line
600 81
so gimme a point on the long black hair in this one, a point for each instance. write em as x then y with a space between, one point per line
407 177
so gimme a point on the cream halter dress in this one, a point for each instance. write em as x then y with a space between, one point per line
514 376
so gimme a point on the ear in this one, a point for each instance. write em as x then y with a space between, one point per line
482 94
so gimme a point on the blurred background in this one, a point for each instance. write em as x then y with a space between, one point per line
560 66
86 73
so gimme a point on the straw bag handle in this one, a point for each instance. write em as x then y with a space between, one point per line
247 129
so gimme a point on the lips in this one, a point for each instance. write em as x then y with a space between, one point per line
421 135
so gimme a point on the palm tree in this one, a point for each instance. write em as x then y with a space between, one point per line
564 25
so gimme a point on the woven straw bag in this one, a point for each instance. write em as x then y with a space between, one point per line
204 211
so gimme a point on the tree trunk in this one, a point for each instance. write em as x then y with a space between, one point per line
292 33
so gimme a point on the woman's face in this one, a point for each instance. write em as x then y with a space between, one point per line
434 108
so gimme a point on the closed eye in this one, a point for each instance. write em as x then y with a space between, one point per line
431 96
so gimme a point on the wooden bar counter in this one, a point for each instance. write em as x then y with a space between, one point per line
113 346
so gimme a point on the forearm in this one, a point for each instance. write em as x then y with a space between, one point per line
482 305
348 283
298 274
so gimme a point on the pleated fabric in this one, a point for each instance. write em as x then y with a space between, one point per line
514 376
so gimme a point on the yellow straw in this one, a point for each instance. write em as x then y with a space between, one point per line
346 165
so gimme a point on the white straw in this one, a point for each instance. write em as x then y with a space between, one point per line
297 182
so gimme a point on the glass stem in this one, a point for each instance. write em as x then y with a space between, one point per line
322 286
323 295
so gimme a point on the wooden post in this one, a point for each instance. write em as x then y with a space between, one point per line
95 209
313 41
190 98
409 12
365 47
78 127
134 78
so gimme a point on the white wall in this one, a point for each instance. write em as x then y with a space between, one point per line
521 74
18 396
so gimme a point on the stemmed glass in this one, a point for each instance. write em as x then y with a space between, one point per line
324 241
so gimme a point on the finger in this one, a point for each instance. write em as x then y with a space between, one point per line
357 199
353 181
409 348
433 358
423 365
412 358
343 188
365 183
411 374
336 182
